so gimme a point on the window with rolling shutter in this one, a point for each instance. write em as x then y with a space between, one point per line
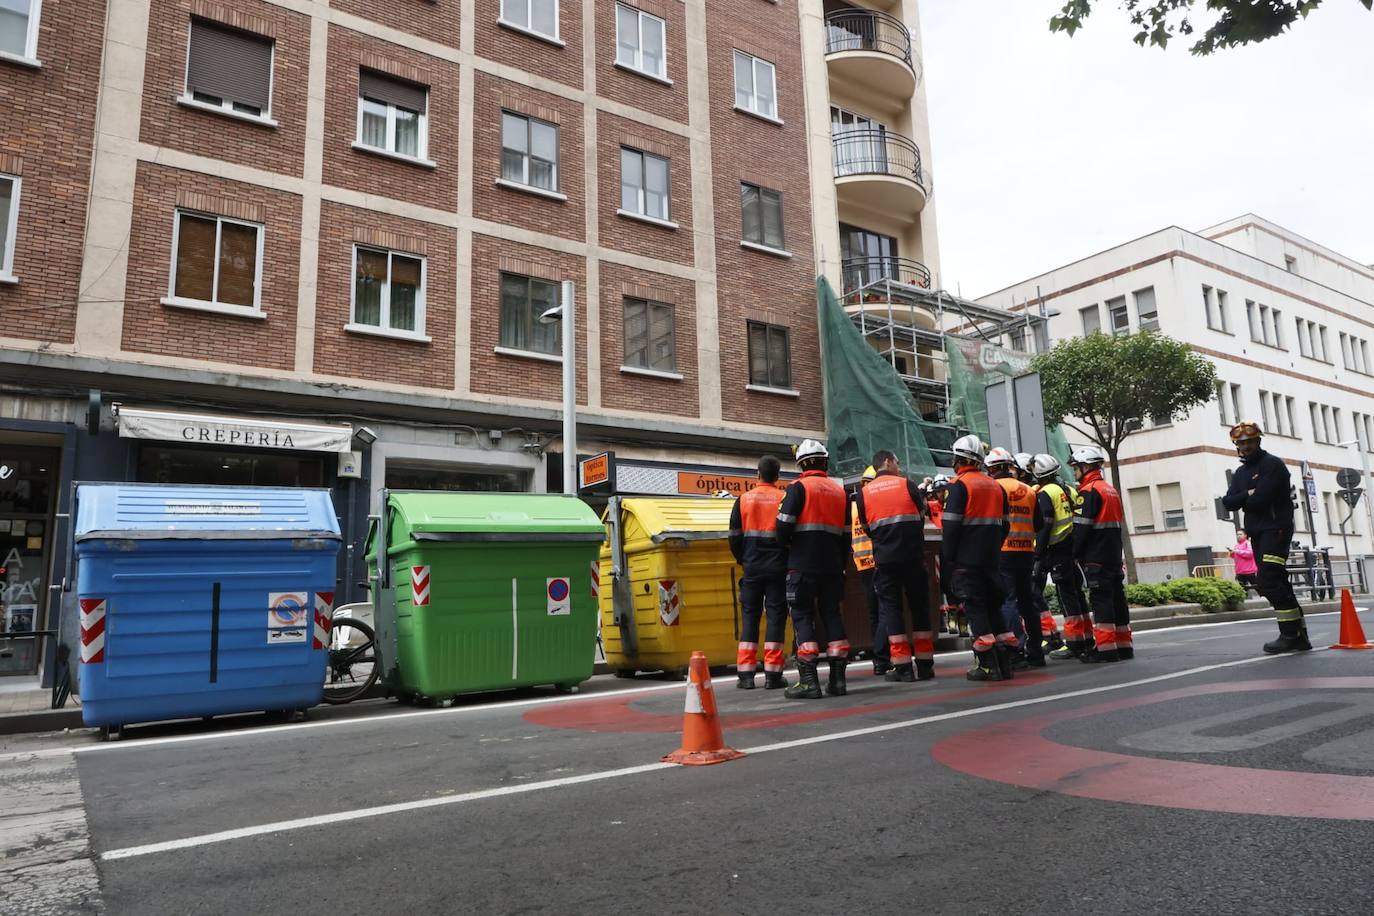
229 69
392 115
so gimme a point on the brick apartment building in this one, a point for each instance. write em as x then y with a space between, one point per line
304 243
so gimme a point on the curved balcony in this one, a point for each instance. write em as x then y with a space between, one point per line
872 51
879 171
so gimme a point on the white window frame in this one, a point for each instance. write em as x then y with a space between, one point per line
1304 342
641 210
1180 513
1137 526
637 65
1113 310
213 305
383 327
524 182
1223 311
1209 308
422 130
528 26
226 106
1148 321
30 55
11 231
1097 318
754 63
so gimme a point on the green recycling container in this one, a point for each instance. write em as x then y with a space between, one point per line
484 591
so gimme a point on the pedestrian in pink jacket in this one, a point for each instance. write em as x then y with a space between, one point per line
1244 555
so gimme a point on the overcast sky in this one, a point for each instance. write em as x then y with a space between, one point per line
1049 148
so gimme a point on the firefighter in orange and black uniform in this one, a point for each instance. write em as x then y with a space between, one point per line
1097 548
893 510
754 542
974 526
862 546
1016 566
812 527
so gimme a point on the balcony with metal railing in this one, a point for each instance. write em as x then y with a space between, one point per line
879 170
872 51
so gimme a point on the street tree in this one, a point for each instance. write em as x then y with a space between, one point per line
1104 387
1238 22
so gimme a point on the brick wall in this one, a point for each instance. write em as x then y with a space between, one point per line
516 376
754 285
632 235
632 391
628 87
350 354
51 155
534 55
357 170
516 208
433 20
205 133
151 327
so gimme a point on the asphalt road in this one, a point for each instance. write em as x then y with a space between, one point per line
1201 777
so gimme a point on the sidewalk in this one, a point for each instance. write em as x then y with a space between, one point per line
24 706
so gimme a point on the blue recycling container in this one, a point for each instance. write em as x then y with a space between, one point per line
202 600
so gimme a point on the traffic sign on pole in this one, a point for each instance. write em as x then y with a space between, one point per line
1348 478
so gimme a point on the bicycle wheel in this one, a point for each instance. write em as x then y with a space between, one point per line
352 666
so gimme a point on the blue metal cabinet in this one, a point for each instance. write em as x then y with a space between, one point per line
202 600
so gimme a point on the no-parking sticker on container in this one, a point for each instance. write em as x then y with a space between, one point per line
286 616
559 592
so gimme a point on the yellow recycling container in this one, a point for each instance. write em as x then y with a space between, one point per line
668 585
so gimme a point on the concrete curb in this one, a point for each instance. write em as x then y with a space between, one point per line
1142 619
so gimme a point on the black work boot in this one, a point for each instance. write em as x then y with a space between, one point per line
1097 656
774 680
1125 652
925 669
1068 650
901 673
1292 636
1304 644
881 666
835 686
809 687
984 667
1052 642
1002 654
1035 659
746 680
1020 661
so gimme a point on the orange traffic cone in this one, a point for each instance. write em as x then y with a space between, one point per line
1352 634
702 740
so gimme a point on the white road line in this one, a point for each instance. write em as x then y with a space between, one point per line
303 823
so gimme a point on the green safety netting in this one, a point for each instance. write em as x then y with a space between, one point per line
867 407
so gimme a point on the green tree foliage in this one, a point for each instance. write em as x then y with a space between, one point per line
1102 386
1238 22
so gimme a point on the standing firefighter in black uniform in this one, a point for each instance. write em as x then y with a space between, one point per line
754 542
813 525
1260 486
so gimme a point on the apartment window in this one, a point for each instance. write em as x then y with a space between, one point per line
1326 350
1146 312
9 221
639 41
770 359
1276 319
755 85
1335 434
867 257
1304 342
1018 339
643 184
1290 263
1314 416
762 215
1369 433
388 290
1266 321
1171 506
19 28
1092 320
1292 412
538 16
391 115
1224 311
1264 411
1364 356
1142 509
1236 411
1120 318
529 152
1326 424
649 339
523 300
228 69
1209 307
1221 402
1252 317
216 260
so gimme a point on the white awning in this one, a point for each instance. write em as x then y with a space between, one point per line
244 432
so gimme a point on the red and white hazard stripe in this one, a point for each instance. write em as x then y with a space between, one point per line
419 586
92 630
324 617
596 578
669 602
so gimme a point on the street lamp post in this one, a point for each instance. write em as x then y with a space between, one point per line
566 311
1364 482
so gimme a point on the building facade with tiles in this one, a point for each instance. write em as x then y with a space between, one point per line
231 227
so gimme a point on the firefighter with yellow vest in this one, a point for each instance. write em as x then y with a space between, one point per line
1054 555
1016 567
754 542
892 510
862 546
812 527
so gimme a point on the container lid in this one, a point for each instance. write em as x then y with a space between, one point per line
690 518
156 511
448 516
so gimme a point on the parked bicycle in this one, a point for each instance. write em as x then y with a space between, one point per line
353 664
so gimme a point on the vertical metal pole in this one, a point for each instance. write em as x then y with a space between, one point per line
569 388
1364 481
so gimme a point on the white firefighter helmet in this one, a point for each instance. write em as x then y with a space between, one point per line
1023 461
998 457
810 448
970 448
1044 466
1086 455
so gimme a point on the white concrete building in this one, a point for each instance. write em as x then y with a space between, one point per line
1288 324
